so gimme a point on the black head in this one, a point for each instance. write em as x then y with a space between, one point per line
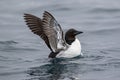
70 35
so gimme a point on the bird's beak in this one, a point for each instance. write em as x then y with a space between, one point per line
78 32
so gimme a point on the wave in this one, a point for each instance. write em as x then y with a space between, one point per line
105 30
11 73
13 46
106 10
8 42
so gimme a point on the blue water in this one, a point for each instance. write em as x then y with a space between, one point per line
24 56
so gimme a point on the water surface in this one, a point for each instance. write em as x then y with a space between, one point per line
24 56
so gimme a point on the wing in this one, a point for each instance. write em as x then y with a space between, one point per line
35 25
53 31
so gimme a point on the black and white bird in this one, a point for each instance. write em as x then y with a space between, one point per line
61 45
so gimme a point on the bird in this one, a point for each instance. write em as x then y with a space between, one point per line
61 45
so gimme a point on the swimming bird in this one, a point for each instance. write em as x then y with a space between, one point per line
61 45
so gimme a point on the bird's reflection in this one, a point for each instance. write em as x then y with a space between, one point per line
52 71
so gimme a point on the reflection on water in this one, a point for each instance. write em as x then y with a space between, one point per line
56 70
24 56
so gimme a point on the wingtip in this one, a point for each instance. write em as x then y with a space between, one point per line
46 12
25 14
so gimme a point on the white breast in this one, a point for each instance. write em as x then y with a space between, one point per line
73 50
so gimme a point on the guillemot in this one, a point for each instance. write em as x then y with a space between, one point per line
61 45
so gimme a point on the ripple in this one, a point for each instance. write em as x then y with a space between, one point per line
62 9
94 57
106 30
11 49
54 70
7 46
8 42
106 10
11 73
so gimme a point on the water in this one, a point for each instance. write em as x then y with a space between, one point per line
24 56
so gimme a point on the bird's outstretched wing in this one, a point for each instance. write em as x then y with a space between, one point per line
35 25
53 31
48 29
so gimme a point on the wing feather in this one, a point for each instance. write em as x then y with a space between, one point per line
48 29
53 31
35 25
